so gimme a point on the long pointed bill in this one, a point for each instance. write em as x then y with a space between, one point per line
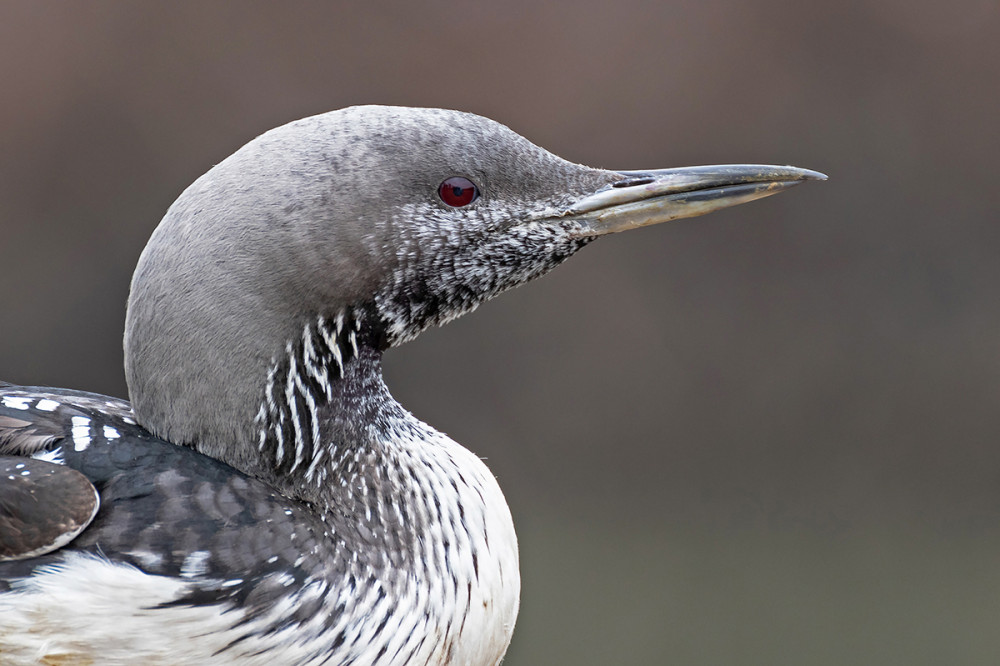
642 198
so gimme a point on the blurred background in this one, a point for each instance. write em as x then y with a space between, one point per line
766 436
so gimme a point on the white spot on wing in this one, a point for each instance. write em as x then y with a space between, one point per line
111 433
195 564
81 433
15 402
80 442
148 559
54 456
47 405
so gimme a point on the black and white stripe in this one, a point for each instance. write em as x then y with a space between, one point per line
299 382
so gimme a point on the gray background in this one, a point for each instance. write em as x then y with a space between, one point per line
767 436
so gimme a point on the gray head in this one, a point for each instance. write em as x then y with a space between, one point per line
343 217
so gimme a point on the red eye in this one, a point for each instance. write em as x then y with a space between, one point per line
458 191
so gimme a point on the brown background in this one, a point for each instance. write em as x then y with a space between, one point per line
765 436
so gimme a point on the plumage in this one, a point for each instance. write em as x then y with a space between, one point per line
262 498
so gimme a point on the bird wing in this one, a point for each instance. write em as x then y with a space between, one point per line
191 535
43 505
164 509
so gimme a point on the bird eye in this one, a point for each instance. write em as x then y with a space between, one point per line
458 191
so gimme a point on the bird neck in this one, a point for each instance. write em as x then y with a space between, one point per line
405 508
325 412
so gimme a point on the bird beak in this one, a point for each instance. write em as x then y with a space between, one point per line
642 198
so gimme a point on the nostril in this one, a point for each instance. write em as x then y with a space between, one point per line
632 182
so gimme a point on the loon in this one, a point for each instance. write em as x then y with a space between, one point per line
262 499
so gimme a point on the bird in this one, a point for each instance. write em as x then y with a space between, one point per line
262 498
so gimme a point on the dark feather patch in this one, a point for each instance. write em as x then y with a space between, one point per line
43 506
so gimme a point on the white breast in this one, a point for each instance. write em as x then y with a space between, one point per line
461 602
